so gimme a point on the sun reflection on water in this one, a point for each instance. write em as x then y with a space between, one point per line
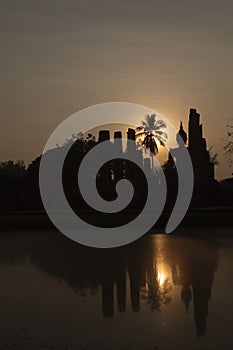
161 277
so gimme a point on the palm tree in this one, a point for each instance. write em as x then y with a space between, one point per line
150 129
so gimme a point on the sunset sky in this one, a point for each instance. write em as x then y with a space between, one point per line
58 56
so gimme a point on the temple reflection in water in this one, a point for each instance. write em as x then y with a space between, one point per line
145 273
152 276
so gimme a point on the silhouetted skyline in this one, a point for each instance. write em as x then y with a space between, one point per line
61 56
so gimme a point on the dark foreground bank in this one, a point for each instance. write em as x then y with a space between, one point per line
198 218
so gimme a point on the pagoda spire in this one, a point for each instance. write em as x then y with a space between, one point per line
182 133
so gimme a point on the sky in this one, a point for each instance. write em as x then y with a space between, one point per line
59 56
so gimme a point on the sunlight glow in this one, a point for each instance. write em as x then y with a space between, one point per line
161 277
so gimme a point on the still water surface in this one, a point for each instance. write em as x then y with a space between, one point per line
162 292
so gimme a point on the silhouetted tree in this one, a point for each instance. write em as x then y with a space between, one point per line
213 157
152 132
228 147
19 186
12 184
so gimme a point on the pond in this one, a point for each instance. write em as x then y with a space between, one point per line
161 292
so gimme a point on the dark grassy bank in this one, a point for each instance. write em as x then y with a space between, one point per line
198 218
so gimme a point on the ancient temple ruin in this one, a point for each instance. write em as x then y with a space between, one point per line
203 167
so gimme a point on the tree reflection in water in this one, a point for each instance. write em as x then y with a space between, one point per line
149 269
157 288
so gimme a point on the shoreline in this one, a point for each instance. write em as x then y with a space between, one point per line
200 218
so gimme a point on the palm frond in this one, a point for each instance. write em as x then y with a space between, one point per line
161 140
160 133
159 124
150 128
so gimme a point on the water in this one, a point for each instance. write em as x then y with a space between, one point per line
162 292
